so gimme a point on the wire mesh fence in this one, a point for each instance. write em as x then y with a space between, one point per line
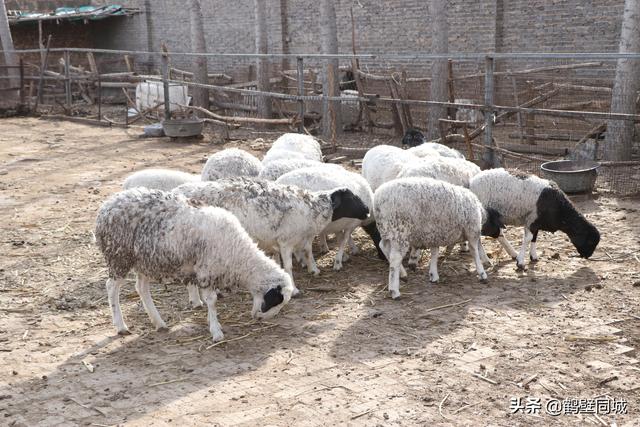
534 107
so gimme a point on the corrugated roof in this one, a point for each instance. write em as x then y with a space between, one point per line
83 13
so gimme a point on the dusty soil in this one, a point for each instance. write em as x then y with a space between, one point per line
344 353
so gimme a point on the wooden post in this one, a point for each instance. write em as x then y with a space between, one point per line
21 81
129 62
165 82
40 41
402 91
43 68
519 115
300 64
67 80
451 111
489 157
531 118
395 113
99 96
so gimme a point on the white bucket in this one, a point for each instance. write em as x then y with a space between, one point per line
150 94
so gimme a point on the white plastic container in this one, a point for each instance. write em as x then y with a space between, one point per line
150 94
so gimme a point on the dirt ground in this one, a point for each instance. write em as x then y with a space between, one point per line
344 353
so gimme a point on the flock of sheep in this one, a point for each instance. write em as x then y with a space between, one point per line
213 230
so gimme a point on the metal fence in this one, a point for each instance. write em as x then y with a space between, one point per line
523 109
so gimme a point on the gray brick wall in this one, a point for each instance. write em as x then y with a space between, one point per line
391 26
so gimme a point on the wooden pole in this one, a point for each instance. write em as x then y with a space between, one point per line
530 130
519 115
165 82
300 64
21 81
43 68
489 157
452 97
67 80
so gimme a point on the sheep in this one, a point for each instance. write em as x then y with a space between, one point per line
230 163
278 216
276 168
321 178
537 204
159 179
161 235
383 163
448 169
414 139
293 146
426 213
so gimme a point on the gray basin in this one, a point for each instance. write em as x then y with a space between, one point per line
572 176
182 128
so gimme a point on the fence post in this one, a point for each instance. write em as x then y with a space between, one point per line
489 156
300 62
165 81
21 82
67 80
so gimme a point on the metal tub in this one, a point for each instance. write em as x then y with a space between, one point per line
572 176
181 128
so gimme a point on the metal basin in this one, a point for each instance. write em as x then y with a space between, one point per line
181 128
572 176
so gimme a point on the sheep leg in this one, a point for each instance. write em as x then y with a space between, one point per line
352 246
143 289
433 265
300 257
287 265
396 253
475 247
523 250
533 253
385 250
507 246
340 255
194 296
312 267
324 247
113 294
483 255
210 297
414 258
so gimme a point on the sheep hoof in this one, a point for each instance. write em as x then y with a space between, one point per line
296 293
395 294
198 304
484 278
337 266
404 279
533 259
162 328
124 332
315 272
520 266
217 336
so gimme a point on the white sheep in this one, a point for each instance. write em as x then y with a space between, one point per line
537 204
231 163
160 235
383 163
418 146
322 178
426 213
276 168
452 170
159 179
294 146
278 216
